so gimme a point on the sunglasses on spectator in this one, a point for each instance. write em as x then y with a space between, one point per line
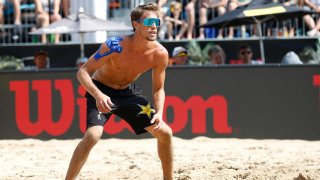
245 52
150 21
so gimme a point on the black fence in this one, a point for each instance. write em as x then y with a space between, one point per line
65 55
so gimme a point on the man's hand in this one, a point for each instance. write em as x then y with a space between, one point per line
157 119
104 103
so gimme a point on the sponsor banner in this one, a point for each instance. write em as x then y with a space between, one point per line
281 102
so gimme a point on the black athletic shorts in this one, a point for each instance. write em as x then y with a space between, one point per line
128 105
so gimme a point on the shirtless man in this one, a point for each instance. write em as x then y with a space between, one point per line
107 76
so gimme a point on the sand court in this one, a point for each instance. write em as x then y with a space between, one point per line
199 158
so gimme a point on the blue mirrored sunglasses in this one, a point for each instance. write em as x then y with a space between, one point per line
150 21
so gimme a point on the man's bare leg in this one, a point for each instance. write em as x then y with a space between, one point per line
81 153
165 149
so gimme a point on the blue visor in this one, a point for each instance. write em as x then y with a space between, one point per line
150 21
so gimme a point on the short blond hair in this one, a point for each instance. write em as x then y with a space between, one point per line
137 12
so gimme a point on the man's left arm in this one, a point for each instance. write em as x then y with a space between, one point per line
158 79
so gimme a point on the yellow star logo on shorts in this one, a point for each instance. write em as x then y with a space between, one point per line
147 110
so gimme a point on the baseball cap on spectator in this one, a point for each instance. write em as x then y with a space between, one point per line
179 51
291 58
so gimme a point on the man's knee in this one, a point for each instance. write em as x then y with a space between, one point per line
165 133
92 135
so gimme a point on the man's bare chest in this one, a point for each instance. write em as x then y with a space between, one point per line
131 63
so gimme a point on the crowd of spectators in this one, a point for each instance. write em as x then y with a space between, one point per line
194 13
47 12
180 19
216 56
24 16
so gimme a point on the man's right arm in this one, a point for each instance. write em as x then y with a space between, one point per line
85 72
